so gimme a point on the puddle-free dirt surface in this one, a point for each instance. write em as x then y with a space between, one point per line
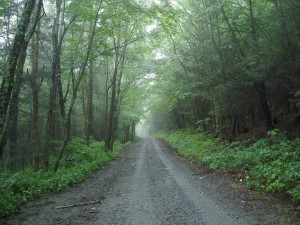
149 184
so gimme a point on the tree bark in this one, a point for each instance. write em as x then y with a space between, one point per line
89 115
35 88
181 114
9 76
132 130
109 138
109 142
14 110
50 130
261 91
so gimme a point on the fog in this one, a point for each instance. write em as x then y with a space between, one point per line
142 129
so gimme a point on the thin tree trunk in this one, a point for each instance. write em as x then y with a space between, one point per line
181 114
118 95
109 140
89 115
132 130
60 90
35 87
67 127
35 128
61 31
261 90
106 100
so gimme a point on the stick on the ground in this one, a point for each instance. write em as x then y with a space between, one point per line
80 204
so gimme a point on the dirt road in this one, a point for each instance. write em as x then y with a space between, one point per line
149 184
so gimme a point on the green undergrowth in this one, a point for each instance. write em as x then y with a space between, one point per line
78 163
268 165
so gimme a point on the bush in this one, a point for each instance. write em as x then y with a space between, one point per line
79 161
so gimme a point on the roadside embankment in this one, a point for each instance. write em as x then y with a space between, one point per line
268 165
79 162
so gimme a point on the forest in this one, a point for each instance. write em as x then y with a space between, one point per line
85 75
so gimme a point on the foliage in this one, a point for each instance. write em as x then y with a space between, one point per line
271 164
214 54
190 143
79 161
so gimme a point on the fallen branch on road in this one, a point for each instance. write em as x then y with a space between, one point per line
80 204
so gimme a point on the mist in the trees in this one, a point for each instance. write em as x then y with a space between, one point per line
111 70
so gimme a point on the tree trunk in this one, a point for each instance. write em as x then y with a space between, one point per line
181 114
119 94
35 87
111 117
89 115
51 120
127 133
236 129
261 91
132 130
109 141
9 76
106 101
35 128
14 110
60 90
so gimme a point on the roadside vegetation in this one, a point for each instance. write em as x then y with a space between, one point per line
78 163
268 165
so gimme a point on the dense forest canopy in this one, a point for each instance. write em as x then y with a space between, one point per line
228 67
96 69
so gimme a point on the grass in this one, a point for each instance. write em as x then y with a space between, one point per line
268 165
78 163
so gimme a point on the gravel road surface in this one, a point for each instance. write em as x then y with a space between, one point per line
149 184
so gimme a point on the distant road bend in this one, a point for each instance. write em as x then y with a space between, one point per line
148 184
